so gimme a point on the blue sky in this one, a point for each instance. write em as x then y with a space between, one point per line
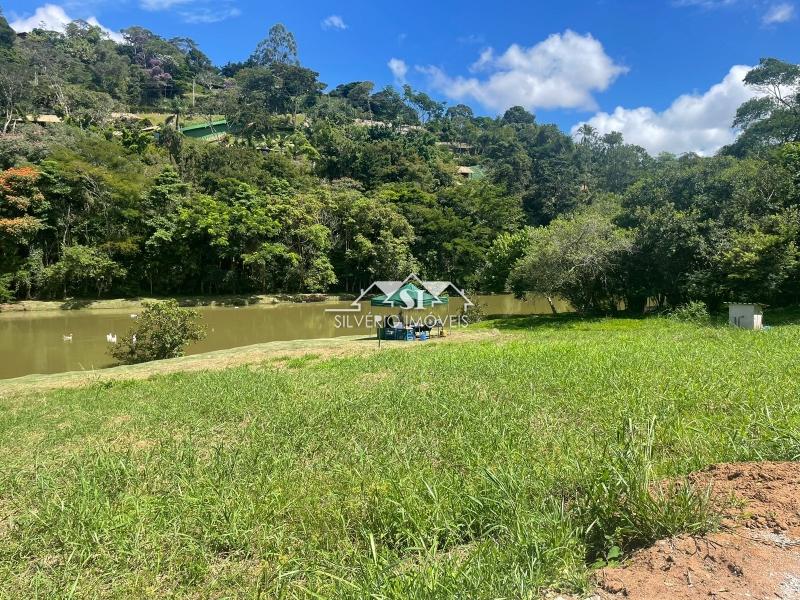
664 72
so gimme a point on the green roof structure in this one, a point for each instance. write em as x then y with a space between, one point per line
210 131
420 297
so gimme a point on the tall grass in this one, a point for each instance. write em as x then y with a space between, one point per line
495 469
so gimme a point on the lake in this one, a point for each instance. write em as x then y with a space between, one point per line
32 342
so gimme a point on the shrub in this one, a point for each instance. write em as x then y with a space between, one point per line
622 506
163 330
6 294
691 312
475 313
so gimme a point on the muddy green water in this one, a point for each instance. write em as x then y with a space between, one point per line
33 342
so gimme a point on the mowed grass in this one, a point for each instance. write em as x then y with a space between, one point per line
502 468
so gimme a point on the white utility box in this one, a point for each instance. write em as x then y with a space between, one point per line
746 316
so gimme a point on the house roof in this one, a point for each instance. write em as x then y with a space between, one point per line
391 300
205 125
125 116
761 304
42 119
371 123
457 145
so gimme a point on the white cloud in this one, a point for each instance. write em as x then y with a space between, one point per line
562 71
692 123
156 5
202 11
705 3
778 13
52 17
399 69
333 22
207 15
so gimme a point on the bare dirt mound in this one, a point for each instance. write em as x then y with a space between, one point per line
755 554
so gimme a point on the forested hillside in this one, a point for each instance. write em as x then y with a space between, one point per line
316 188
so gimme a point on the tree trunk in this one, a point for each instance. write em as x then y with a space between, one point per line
552 305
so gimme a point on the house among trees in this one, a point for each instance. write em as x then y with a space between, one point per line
457 147
474 172
212 131
40 119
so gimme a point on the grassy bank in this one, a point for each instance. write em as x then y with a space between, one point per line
500 467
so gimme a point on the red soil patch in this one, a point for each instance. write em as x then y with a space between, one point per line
756 553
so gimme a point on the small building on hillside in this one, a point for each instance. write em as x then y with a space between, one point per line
40 119
474 172
370 123
457 147
746 315
211 131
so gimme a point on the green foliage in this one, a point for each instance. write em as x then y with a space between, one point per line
623 506
501 258
580 259
772 117
7 35
81 269
455 228
6 293
473 314
279 47
517 115
313 191
426 107
162 330
371 239
691 312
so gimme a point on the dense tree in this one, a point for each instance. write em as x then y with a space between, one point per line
426 107
81 269
15 91
517 115
772 117
580 259
504 253
310 191
279 47
7 35
22 215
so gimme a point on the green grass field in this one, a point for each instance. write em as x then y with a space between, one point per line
498 468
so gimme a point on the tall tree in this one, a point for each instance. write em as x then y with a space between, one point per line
7 35
278 47
426 107
773 117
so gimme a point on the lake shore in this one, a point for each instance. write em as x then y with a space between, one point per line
187 301
218 360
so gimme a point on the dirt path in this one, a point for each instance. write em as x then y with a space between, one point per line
756 553
223 359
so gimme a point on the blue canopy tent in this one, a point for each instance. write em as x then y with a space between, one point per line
407 297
